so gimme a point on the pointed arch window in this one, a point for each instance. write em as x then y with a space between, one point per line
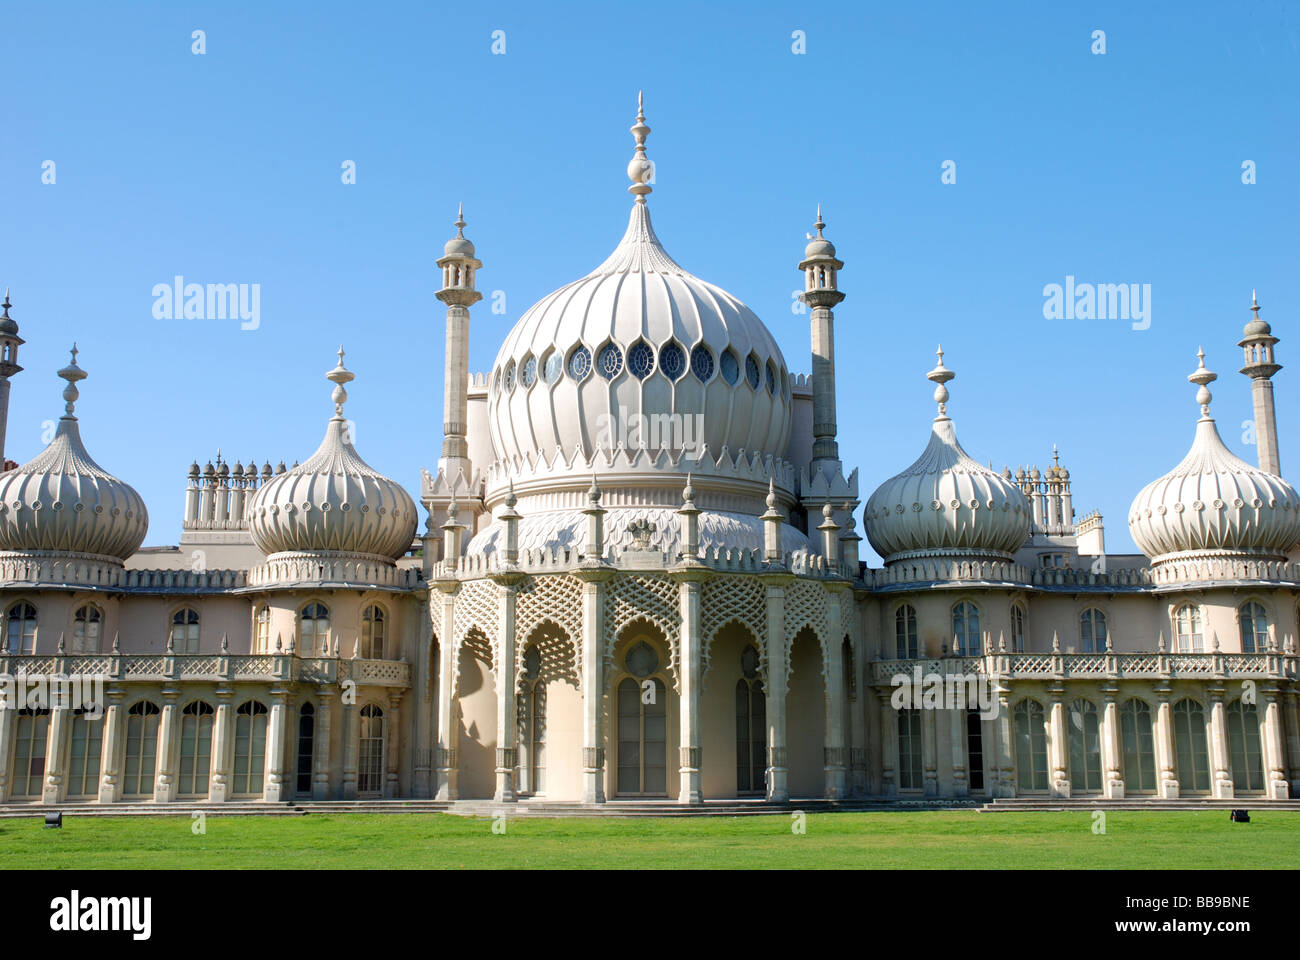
751 726
1191 747
1092 631
905 632
1084 735
1187 629
370 768
185 631
372 633
909 750
1254 627
87 624
84 755
306 743
966 629
314 630
250 748
1031 746
20 629
196 749
141 749
1244 751
1017 628
31 737
1139 747
262 630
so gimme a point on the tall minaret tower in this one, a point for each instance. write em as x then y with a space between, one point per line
458 293
9 343
820 266
1257 340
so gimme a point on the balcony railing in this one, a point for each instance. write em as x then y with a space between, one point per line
281 668
1101 666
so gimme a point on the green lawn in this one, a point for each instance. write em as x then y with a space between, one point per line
931 839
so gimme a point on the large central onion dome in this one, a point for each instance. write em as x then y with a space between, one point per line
1214 505
63 502
946 504
639 346
334 503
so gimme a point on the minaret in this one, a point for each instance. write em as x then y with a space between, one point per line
458 293
9 343
820 266
1257 340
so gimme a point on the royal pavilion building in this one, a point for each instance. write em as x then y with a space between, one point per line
634 575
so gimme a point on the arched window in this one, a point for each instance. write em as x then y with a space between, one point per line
185 631
1031 746
1187 629
372 633
532 724
83 757
909 750
315 631
751 726
33 729
370 767
966 630
306 743
20 629
642 726
905 632
1254 628
1191 747
1085 747
1139 747
141 749
86 624
1017 628
250 748
1244 751
1092 631
196 749
262 630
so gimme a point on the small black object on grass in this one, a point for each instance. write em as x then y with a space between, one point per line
1240 816
54 820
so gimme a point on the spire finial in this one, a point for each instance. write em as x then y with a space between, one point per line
460 221
1201 376
1254 302
71 373
640 171
820 225
340 375
6 305
941 375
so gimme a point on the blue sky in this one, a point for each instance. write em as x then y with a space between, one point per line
1117 168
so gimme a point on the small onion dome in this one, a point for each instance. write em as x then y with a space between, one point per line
1256 327
459 245
819 248
946 504
1213 504
8 326
64 502
334 502
194 470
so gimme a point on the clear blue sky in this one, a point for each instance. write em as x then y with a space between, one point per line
226 168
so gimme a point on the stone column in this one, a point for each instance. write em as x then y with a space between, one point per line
929 753
1166 763
219 779
393 745
960 776
1111 757
165 784
448 719
351 744
778 671
320 777
1056 741
834 754
7 714
1271 738
689 579
110 751
1292 714
594 575
275 785
56 750
422 703
507 703
1006 745
1221 767
888 744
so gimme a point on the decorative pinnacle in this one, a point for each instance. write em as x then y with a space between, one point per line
688 492
593 494
640 170
820 225
941 375
771 493
511 499
6 305
1202 376
460 221
1254 303
71 373
340 375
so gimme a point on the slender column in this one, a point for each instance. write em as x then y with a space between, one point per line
448 721
219 780
593 577
320 777
1006 742
1056 741
834 755
1111 758
56 750
1274 747
393 729
422 702
507 713
351 743
276 789
1293 738
1165 758
1223 789
888 744
689 589
7 714
110 751
929 753
778 671
957 730
165 784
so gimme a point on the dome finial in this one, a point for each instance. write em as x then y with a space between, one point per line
6 305
460 221
1201 376
71 373
820 225
1254 301
640 171
941 375
340 375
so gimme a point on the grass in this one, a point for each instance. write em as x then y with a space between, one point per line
926 840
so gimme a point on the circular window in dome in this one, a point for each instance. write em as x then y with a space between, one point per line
528 372
554 367
609 363
641 660
771 378
729 367
702 364
751 372
641 360
508 377
579 363
672 360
